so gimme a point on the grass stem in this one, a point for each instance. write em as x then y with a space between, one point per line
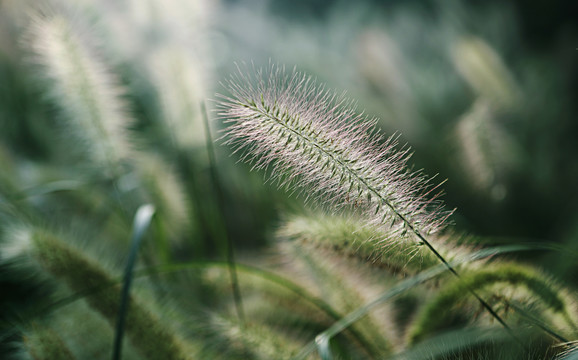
222 232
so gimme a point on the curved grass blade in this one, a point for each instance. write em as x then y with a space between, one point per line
52 187
434 314
400 288
448 344
266 275
323 348
173 268
279 280
572 354
142 220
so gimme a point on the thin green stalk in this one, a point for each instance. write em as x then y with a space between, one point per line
142 221
487 306
536 321
223 233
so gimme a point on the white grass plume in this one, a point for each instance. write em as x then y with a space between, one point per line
85 90
486 72
317 143
178 80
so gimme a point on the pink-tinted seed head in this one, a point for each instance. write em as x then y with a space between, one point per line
316 143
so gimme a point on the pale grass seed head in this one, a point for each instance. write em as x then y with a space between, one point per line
483 69
86 92
44 343
351 236
317 144
18 243
178 78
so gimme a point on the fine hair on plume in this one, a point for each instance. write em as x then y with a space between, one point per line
318 145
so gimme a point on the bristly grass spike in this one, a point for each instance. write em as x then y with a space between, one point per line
318 145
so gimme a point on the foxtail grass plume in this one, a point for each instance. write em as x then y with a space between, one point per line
486 72
255 341
45 252
318 145
351 237
44 343
87 93
178 79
